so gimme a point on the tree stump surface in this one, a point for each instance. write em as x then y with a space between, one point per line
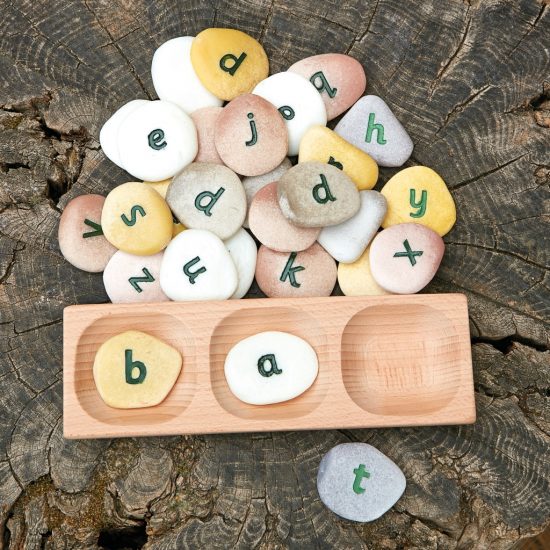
467 79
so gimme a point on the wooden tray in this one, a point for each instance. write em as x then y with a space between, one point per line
383 361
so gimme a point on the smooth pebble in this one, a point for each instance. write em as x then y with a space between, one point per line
80 234
311 272
371 126
358 482
136 219
156 140
205 123
345 242
251 136
243 252
161 187
228 62
404 258
252 184
108 135
197 266
175 79
208 196
134 369
418 194
323 145
313 194
339 79
272 229
356 279
297 100
270 367
129 278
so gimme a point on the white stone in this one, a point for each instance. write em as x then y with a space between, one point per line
182 275
108 135
243 251
156 141
364 494
291 373
129 278
288 89
346 241
175 79
252 184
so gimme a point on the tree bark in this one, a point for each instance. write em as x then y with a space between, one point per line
469 82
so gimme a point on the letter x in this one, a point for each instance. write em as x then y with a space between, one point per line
409 253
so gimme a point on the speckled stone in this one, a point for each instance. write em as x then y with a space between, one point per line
156 140
345 242
251 136
228 62
297 100
175 79
134 369
313 194
252 184
208 196
243 252
356 279
136 219
272 229
197 266
129 278
371 126
358 482
404 258
80 235
321 144
205 122
339 78
311 272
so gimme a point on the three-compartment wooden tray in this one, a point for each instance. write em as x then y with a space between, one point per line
383 361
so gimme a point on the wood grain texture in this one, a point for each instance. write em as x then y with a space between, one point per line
469 80
383 361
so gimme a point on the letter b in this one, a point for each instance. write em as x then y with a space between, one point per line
130 365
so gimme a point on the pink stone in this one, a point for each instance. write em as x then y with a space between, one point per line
404 258
272 228
317 278
130 278
343 76
90 253
205 121
267 146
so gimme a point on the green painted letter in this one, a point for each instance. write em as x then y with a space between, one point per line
212 199
420 205
129 367
289 271
379 131
236 63
360 473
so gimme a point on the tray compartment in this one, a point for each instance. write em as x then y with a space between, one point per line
246 322
400 359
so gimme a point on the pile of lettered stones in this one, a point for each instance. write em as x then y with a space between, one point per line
208 170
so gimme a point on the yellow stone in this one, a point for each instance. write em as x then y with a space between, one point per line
133 370
228 62
136 219
356 279
159 186
177 228
323 145
419 195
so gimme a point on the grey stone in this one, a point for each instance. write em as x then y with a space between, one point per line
371 119
358 482
315 194
208 196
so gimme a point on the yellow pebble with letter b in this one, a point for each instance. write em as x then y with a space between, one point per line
136 219
323 145
134 369
228 62
419 195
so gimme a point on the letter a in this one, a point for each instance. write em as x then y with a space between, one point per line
236 63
